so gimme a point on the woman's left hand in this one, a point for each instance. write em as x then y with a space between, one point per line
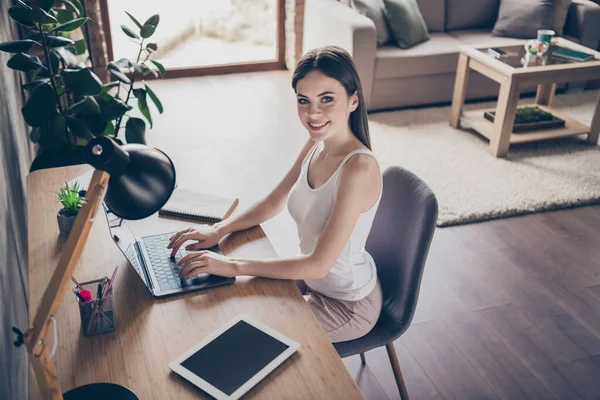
205 261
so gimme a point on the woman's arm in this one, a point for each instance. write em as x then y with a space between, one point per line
258 213
270 205
358 187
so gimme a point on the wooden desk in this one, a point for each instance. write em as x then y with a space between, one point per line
150 333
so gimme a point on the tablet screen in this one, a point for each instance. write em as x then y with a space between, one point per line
234 357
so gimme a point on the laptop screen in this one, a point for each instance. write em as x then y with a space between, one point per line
124 239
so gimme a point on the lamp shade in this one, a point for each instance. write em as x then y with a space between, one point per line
141 178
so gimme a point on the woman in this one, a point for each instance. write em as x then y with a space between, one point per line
332 191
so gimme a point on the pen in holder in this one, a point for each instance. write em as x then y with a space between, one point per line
97 314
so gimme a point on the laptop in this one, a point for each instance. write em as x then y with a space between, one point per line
152 261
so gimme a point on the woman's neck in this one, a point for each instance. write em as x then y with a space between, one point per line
338 142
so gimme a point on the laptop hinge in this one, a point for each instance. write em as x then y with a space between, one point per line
139 253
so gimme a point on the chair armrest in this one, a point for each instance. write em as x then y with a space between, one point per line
583 22
329 22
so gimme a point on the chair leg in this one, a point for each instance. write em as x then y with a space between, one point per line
362 358
397 372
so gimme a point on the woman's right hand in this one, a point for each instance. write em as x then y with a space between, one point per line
206 237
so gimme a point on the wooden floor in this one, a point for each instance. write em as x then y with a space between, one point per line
509 309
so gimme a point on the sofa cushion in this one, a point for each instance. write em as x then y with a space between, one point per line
406 22
373 9
471 14
484 37
437 55
434 14
522 19
561 9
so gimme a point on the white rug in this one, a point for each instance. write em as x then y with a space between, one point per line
470 184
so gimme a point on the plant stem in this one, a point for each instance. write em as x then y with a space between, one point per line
52 82
130 88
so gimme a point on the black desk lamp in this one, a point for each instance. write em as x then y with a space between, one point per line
138 181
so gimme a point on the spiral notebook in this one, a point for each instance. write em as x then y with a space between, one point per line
200 206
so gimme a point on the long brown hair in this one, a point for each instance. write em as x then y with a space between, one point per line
336 63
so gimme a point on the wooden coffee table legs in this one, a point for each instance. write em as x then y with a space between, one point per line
545 94
505 117
460 90
595 126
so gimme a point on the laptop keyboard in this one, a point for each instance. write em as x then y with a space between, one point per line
165 268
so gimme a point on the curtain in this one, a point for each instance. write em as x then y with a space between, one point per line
16 154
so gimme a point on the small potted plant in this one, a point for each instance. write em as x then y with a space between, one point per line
71 200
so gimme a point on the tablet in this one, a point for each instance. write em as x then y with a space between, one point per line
234 358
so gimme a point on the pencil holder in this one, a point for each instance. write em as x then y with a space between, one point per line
97 314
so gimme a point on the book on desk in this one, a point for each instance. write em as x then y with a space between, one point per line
199 206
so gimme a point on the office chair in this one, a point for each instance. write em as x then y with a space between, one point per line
399 242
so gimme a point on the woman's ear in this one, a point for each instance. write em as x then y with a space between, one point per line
354 102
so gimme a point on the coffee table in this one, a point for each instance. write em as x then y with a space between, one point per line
509 72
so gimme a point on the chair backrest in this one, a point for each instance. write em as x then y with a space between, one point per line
399 242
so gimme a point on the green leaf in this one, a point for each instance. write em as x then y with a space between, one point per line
67 56
81 81
141 68
135 131
135 21
88 105
71 25
151 47
40 106
120 76
54 61
45 5
23 4
147 31
24 62
34 136
123 63
154 99
75 6
42 17
153 20
63 15
106 87
109 130
112 109
34 34
129 32
17 46
57 41
78 48
34 84
140 94
160 67
96 123
21 16
79 127
53 133
112 66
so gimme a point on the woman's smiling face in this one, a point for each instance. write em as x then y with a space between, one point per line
323 105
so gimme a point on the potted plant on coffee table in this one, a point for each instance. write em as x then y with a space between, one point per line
71 201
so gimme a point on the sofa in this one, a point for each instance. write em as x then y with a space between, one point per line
424 74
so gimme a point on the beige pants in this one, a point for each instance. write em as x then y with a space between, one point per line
344 320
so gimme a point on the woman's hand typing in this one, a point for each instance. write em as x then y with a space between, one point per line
205 237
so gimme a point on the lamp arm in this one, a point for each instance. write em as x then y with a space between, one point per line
44 367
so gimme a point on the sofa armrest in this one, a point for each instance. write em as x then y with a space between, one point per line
329 22
583 23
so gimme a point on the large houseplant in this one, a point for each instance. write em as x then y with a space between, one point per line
67 103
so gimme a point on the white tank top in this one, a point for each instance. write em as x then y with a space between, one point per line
353 275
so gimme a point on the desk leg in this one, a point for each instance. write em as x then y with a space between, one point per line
595 127
545 94
505 117
460 90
